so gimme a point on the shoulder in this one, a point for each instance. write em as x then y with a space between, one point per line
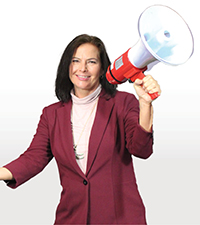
54 106
50 110
125 102
122 96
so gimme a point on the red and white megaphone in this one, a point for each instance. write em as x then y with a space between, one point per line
164 37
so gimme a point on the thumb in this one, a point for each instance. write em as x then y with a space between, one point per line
138 82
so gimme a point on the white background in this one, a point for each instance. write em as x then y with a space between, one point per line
33 37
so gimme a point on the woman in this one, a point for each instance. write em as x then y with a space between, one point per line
92 132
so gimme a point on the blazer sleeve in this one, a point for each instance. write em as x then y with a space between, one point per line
139 142
35 158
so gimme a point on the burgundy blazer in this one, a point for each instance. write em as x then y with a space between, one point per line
107 193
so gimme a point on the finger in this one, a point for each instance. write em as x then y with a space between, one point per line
149 82
147 77
152 87
138 82
155 89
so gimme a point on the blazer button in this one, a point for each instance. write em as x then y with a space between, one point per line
85 182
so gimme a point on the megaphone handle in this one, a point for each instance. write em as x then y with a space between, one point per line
140 76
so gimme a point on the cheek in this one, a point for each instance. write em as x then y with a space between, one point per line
97 73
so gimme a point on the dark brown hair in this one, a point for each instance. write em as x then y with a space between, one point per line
63 84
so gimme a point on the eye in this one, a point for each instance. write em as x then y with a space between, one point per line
75 60
92 62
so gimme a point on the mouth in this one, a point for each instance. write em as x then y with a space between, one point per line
82 77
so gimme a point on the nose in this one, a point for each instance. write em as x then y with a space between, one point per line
83 67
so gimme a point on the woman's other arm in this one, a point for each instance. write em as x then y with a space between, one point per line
34 159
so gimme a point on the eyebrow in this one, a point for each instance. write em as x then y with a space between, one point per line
87 59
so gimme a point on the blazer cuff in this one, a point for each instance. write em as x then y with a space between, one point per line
143 142
12 183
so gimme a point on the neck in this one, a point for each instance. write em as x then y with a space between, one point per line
87 99
81 93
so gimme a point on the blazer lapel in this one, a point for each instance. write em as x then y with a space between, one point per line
104 109
64 120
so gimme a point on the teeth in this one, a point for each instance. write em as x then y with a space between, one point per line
83 76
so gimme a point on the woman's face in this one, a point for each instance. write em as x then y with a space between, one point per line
85 69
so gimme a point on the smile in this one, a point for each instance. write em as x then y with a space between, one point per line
82 77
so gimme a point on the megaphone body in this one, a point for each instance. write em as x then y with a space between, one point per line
164 37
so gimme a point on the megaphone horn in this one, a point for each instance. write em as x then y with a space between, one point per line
164 37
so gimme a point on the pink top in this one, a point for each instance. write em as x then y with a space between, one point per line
83 111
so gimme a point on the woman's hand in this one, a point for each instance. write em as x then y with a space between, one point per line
143 88
5 174
147 85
